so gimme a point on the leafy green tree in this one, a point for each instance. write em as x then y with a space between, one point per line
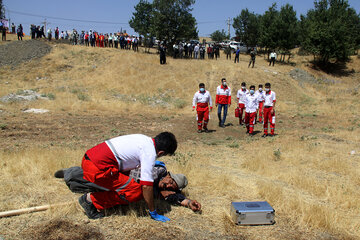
2 10
141 20
218 36
332 30
247 26
269 28
287 27
172 21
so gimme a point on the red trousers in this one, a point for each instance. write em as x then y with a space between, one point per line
261 106
241 110
268 117
202 114
121 188
250 121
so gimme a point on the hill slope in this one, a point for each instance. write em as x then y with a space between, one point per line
306 172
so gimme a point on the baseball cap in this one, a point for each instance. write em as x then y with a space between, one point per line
180 180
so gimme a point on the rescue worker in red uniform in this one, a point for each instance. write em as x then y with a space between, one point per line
97 39
109 163
251 106
223 100
202 101
241 95
260 95
269 110
101 39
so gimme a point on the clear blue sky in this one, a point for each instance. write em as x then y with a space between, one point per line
211 15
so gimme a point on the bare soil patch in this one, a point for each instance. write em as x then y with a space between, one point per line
62 229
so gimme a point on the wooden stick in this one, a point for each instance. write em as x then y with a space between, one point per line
29 210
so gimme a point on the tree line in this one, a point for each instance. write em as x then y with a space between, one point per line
331 30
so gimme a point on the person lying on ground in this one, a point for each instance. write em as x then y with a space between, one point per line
167 186
108 165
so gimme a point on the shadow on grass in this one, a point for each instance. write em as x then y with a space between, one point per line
338 69
138 208
285 63
256 132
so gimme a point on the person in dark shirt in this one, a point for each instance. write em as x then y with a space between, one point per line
252 57
162 50
237 55
167 186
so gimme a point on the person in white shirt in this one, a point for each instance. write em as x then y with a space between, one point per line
260 95
111 40
241 94
202 101
269 110
108 164
251 106
49 32
272 58
196 51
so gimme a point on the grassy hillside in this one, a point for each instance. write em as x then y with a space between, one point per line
307 172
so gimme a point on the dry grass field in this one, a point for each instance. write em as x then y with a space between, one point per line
309 172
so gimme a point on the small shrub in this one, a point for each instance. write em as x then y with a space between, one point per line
50 96
83 97
179 103
164 118
327 129
3 126
277 154
233 145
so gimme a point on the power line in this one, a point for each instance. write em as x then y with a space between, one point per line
67 19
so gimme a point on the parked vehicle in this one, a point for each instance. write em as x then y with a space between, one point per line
225 44
194 42
235 45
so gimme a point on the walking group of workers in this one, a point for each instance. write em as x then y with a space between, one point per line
253 106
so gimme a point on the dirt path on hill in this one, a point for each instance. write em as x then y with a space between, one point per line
86 130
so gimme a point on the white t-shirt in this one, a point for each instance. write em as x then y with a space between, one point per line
273 55
260 95
133 151
270 98
241 95
200 97
251 103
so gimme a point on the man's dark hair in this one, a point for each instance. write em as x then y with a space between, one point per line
260 85
243 84
267 84
166 142
201 85
252 87
223 79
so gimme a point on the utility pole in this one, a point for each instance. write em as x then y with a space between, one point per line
228 23
45 23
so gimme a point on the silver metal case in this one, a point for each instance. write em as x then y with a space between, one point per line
252 213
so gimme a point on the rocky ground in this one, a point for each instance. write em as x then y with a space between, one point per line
17 52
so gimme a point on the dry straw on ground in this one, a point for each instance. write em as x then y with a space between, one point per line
306 172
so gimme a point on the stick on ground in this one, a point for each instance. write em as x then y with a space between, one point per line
29 210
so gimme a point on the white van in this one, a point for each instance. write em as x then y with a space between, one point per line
235 45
